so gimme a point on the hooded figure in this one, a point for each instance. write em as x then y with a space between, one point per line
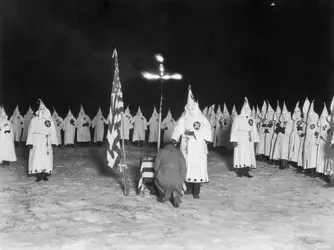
259 150
126 124
42 136
212 119
295 138
154 127
226 127
302 129
281 146
98 126
7 148
139 127
253 113
59 122
329 160
205 111
311 142
27 118
277 123
18 124
227 135
195 132
323 141
218 127
168 125
170 172
243 136
269 130
69 128
83 127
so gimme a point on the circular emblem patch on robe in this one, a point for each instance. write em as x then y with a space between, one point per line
101 119
270 124
225 122
299 123
324 127
312 126
250 122
18 117
197 125
84 118
47 124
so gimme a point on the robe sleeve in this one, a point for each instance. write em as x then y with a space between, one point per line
183 166
62 124
179 129
255 133
145 123
207 131
31 130
288 128
234 130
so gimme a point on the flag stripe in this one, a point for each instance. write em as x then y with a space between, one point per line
114 153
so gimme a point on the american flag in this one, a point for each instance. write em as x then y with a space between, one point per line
114 153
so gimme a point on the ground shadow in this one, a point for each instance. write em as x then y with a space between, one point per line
227 155
23 152
98 157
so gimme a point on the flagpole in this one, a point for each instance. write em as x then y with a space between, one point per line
160 114
122 134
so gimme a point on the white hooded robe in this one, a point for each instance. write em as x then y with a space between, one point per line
168 125
244 133
18 124
69 128
139 126
27 118
41 135
83 127
194 148
59 123
154 127
7 148
98 125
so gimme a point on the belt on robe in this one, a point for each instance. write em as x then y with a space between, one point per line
47 136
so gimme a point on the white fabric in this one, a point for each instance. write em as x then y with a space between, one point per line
140 124
18 124
244 133
311 140
154 127
194 149
7 148
83 132
69 127
59 123
126 124
41 134
27 119
98 125
168 124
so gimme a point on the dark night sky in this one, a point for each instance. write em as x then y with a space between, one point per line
61 51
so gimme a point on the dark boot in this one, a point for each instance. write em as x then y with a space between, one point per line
45 176
246 173
197 189
190 188
313 173
39 177
299 170
176 199
282 165
239 172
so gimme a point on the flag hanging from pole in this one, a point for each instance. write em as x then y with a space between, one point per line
114 153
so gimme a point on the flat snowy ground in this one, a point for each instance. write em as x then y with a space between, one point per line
82 207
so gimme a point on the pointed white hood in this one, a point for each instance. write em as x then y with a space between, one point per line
270 113
82 111
139 111
3 115
312 116
192 107
264 110
219 112
99 112
205 111
306 108
297 112
323 117
246 110
43 112
155 113
234 112
127 110
331 115
226 113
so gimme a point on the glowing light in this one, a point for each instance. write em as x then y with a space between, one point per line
150 76
273 4
173 76
159 58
